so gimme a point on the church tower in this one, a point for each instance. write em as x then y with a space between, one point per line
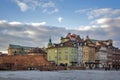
50 43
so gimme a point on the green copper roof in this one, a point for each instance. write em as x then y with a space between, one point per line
50 42
18 46
93 40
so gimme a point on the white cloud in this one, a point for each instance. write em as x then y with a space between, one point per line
23 6
46 6
30 35
49 4
83 10
99 12
15 23
3 21
105 12
60 19
38 24
54 11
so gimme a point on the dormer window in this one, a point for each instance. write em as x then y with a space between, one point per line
74 45
61 45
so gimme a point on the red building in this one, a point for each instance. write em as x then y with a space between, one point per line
116 58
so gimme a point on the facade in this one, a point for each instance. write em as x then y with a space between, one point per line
67 52
113 58
17 49
116 59
63 55
102 56
110 52
95 52
80 55
88 56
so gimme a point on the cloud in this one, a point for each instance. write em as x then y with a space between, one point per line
51 11
49 4
83 10
99 12
23 6
46 6
15 23
105 12
38 24
60 19
28 34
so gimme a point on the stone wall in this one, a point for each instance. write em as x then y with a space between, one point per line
21 62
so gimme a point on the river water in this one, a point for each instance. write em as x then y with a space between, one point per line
60 75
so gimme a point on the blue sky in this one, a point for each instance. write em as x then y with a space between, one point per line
82 17
10 11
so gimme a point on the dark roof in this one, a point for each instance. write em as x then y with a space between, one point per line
18 46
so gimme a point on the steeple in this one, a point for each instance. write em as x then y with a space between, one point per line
87 37
50 42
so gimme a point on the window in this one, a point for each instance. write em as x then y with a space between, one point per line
59 58
55 51
59 52
66 57
49 57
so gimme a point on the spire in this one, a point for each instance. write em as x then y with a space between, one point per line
50 42
87 37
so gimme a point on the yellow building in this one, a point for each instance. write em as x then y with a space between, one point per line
63 54
88 54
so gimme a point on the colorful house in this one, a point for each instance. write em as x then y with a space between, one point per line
65 52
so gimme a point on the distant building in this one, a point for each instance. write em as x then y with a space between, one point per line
17 49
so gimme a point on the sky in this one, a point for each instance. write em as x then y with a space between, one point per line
33 22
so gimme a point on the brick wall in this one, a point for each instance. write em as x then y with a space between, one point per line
22 61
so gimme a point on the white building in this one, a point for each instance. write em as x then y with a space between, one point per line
102 56
79 55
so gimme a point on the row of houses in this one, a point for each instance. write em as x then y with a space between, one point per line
75 51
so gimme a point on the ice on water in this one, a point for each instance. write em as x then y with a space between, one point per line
60 75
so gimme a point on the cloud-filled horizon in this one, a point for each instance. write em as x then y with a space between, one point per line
38 34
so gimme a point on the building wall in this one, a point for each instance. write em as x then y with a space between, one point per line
116 59
17 49
79 55
11 51
22 61
63 55
52 55
64 40
102 56
88 54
